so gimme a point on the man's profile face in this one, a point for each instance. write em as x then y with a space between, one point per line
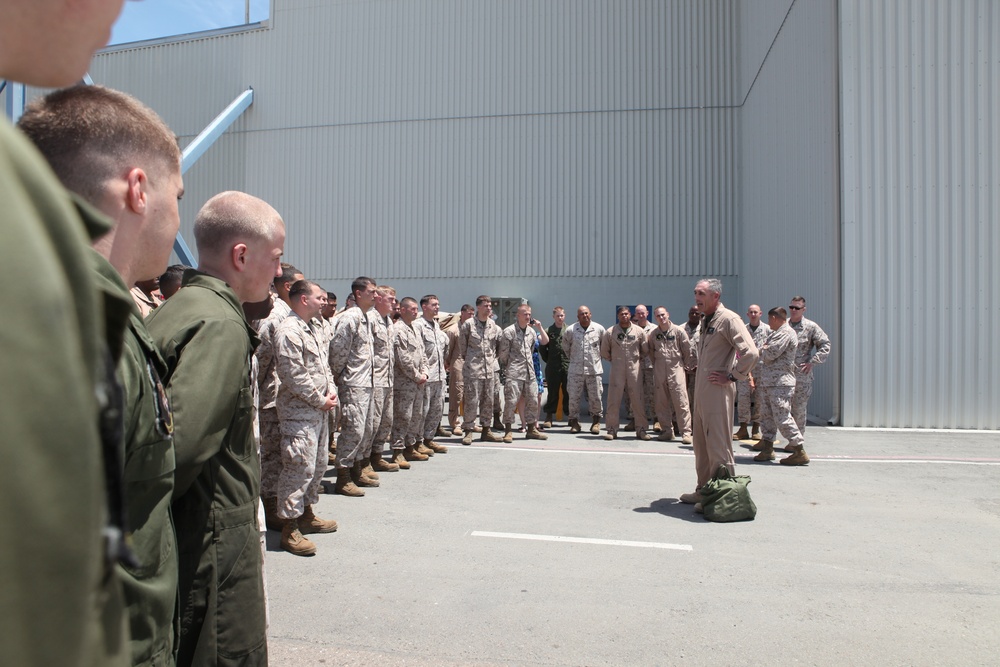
313 301
408 311
163 219
431 309
383 303
583 316
705 300
467 313
559 317
796 310
365 298
263 264
774 322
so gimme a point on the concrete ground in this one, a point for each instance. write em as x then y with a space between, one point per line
885 550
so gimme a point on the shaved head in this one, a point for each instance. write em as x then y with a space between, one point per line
234 217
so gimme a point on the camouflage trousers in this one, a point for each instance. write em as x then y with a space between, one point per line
355 424
672 399
648 391
497 394
433 407
303 463
747 402
776 414
455 390
578 383
515 390
404 398
270 451
381 420
800 399
478 402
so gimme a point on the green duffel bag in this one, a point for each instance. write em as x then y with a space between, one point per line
725 497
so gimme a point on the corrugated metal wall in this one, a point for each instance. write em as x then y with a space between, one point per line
921 196
789 213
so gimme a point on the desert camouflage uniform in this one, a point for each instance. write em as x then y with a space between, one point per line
625 350
747 400
776 377
409 367
267 385
671 352
478 344
382 380
583 349
455 385
435 344
351 360
516 348
305 382
810 337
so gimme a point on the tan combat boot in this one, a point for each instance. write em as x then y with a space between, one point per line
642 435
456 430
755 433
762 444
595 428
271 518
467 438
656 427
610 435
309 523
798 457
345 486
380 464
400 460
742 434
548 420
435 447
690 498
293 542
574 426
368 470
442 432
508 434
490 436
766 454
421 448
534 434
687 440
411 454
359 476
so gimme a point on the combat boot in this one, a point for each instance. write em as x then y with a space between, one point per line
548 420
642 435
400 460
690 498
467 438
656 427
595 428
490 436
368 470
630 426
271 518
762 444
534 434
410 453
434 447
798 457
574 426
766 454
456 431
421 448
309 523
755 433
359 476
380 464
665 436
293 542
687 440
508 434
610 435
442 432
497 423
742 434
345 486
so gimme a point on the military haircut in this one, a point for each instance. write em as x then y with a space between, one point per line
330 296
466 307
361 283
385 290
483 300
233 217
624 309
89 134
300 287
288 273
407 300
174 274
524 305
799 298
558 309
778 312
427 299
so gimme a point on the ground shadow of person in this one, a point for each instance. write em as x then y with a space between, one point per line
673 508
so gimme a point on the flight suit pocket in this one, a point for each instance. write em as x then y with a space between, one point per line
240 615
242 442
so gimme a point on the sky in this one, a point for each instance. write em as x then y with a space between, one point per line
149 19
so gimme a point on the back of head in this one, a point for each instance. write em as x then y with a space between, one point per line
229 218
92 134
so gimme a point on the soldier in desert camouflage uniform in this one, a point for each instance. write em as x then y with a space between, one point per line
410 373
747 400
812 350
456 387
777 383
382 381
478 344
581 342
305 395
435 344
517 343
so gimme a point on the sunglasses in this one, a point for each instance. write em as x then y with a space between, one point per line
796 307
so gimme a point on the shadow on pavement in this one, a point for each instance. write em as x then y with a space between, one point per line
673 508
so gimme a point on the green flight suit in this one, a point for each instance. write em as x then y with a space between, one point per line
207 344
60 599
150 584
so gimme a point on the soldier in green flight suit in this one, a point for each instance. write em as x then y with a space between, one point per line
60 605
120 156
207 344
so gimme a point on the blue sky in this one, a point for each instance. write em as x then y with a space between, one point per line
149 19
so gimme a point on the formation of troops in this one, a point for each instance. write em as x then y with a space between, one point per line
166 441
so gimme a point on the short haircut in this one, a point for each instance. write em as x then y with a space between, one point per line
427 299
233 217
89 134
330 296
174 274
300 287
558 309
664 310
466 307
524 305
799 298
288 273
483 299
385 290
778 312
714 285
361 283
624 309
407 300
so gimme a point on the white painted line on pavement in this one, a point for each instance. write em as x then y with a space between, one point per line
584 540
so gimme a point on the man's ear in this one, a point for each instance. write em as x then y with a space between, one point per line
239 256
136 196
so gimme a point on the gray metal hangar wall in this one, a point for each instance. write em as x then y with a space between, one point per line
568 152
